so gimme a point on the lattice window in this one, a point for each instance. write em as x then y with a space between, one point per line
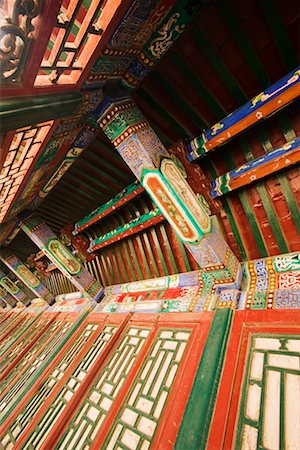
71 385
8 323
93 409
270 406
137 420
14 333
78 30
22 151
58 330
24 418
23 342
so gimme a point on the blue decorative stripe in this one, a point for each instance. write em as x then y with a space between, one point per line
197 146
221 185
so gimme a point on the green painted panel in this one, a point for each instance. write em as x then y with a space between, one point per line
18 112
195 424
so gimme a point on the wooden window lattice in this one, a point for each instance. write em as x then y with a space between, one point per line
270 406
22 151
74 37
68 390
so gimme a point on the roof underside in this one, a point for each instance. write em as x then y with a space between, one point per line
232 52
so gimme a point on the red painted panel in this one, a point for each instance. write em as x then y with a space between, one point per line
227 404
170 419
10 324
102 319
23 344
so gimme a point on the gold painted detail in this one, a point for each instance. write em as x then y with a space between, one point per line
63 257
27 276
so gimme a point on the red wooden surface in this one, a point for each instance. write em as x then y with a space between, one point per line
5 315
169 422
64 317
117 319
223 424
13 361
11 324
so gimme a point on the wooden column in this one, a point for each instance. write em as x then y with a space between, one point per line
163 178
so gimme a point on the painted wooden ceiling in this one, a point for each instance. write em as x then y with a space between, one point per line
230 53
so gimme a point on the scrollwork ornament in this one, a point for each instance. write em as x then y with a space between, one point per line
15 36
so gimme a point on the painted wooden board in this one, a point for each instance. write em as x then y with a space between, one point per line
159 352
17 377
258 400
25 340
71 367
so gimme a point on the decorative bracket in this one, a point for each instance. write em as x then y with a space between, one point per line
15 37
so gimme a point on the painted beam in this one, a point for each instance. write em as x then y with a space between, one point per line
39 232
18 112
259 108
13 289
7 299
134 226
258 168
123 197
26 276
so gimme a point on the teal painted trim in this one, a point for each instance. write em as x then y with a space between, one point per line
243 42
157 245
173 122
286 126
260 167
21 111
230 216
195 424
168 248
218 64
234 228
99 212
253 223
198 86
273 219
128 226
188 215
182 103
290 199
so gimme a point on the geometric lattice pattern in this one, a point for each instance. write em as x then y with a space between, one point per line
67 391
270 409
36 402
25 145
73 40
7 324
36 356
14 333
92 411
139 416
22 343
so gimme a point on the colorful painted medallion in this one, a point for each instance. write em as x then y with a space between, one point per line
27 276
63 256
9 285
170 206
185 193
